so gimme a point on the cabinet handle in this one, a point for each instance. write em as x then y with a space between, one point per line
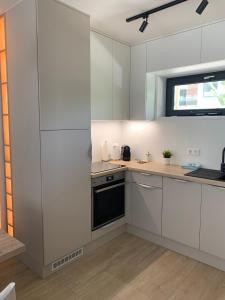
149 187
146 174
180 180
219 187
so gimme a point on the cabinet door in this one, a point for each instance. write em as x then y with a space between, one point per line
64 66
145 207
101 77
212 239
212 43
181 211
138 82
121 81
177 50
66 191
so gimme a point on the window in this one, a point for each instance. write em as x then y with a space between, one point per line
196 95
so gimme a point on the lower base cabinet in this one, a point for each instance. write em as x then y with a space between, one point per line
181 211
145 207
212 235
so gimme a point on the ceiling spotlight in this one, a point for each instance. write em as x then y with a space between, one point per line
202 7
144 25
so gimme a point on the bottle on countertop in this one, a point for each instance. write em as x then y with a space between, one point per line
105 151
116 151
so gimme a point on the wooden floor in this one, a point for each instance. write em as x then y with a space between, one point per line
126 268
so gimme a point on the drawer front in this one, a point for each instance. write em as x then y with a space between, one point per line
146 208
146 178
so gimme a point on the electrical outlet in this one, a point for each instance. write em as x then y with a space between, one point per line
196 151
193 151
189 151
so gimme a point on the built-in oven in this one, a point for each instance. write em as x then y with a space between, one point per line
108 199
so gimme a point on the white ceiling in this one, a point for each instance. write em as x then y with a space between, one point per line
108 16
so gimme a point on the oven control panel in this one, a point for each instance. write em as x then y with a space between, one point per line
107 179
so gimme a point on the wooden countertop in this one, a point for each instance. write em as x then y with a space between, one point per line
162 170
9 247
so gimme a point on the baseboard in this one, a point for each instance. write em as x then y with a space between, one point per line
179 248
108 228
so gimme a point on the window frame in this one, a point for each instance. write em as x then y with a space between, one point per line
191 79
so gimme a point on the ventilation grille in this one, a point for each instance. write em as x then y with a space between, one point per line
67 259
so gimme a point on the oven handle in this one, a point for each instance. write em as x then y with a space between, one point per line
110 187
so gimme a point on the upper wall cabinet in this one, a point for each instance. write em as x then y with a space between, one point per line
121 81
212 43
64 67
177 50
110 79
101 77
138 82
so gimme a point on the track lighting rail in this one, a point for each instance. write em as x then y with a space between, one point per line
155 10
146 14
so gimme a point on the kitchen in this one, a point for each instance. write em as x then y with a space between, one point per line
76 94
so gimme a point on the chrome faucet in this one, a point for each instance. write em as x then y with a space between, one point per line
223 162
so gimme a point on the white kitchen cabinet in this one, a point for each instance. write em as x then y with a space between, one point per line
212 42
66 191
138 82
121 81
181 211
50 167
145 207
24 121
110 79
101 77
212 238
182 49
64 67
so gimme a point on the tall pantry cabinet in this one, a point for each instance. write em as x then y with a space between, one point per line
49 96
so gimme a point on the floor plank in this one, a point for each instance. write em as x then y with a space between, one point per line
129 268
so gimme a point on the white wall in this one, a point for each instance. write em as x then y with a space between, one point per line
177 134
104 130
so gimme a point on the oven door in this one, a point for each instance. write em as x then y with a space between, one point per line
108 203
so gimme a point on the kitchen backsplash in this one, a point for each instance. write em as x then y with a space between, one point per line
176 134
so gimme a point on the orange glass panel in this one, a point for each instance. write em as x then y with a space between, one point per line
5 105
6 130
8 170
8 186
7 154
10 230
3 67
10 217
2 33
9 202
